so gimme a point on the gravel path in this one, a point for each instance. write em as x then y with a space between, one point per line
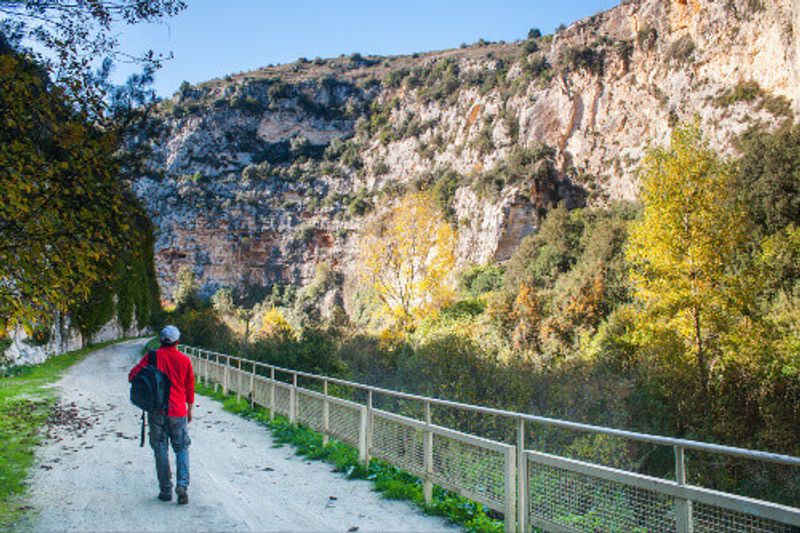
92 474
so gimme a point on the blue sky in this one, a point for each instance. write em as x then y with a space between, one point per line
212 38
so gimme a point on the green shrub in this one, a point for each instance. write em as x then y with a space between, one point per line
444 191
538 67
359 204
380 168
768 175
744 91
682 50
248 104
484 141
464 309
480 279
202 327
778 106
586 58
647 38
40 335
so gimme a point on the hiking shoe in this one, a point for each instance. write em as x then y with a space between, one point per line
183 498
165 496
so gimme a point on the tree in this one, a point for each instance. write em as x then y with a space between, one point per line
684 248
769 178
527 312
407 258
222 301
187 294
74 35
62 208
275 326
67 227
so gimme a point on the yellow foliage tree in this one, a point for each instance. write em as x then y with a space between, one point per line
275 326
683 248
527 312
407 258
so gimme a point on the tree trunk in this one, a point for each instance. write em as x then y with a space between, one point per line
702 364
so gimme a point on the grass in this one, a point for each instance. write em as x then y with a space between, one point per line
26 399
391 482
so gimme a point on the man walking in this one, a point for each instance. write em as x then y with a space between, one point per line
172 425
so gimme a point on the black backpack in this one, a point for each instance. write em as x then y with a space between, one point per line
150 389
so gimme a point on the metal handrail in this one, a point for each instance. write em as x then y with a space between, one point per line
525 473
566 424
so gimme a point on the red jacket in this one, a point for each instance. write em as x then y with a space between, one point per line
178 369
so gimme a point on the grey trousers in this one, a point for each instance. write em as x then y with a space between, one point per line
163 430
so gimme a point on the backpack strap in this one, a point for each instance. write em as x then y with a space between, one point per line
153 360
141 441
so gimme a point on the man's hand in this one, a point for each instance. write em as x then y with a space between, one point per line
189 412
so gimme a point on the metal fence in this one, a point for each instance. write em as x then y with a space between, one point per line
531 488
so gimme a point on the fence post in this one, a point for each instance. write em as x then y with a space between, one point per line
271 393
216 362
427 447
522 478
325 413
362 436
683 507
369 427
511 491
205 368
293 399
239 379
253 385
225 374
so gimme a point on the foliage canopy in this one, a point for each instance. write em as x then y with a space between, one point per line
407 258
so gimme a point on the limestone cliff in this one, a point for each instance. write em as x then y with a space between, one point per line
255 178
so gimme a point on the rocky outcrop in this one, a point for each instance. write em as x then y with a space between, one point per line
256 178
30 349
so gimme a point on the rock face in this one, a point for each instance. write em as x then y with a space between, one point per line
61 338
256 178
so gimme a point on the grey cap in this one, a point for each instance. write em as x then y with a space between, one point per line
170 335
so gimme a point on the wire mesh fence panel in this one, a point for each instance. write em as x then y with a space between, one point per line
585 503
576 477
283 399
215 372
487 426
744 476
309 410
238 381
398 442
198 370
713 519
476 471
261 391
344 420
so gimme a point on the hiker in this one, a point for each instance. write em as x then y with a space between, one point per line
172 425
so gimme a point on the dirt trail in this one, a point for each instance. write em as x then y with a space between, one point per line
92 475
